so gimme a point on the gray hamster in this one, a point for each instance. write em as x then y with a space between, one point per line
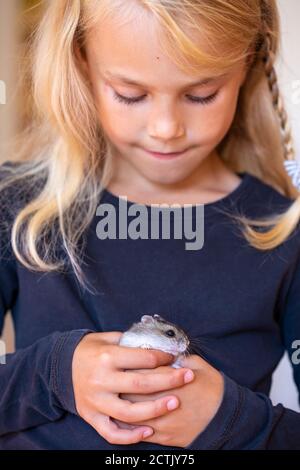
154 332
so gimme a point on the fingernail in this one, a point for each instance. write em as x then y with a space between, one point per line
172 404
188 376
147 433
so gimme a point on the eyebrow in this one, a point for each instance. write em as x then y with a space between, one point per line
129 81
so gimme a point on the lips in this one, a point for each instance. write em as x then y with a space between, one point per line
165 155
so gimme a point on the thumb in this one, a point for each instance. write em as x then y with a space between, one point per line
193 361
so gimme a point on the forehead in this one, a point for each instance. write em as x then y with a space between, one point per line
132 51
125 77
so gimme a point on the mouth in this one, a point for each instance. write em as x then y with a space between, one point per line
176 351
165 156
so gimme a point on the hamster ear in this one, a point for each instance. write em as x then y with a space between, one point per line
158 317
147 319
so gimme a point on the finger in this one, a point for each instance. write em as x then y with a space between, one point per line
135 382
110 431
138 358
112 337
125 410
193 361
123 425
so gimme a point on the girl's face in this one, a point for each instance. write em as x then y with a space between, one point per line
164 111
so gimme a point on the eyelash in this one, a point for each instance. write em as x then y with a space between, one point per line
193 99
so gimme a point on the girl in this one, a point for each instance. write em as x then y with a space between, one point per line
157 102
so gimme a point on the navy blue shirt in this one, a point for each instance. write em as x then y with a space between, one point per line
245 303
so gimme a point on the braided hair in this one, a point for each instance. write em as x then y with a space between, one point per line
266 44
268 60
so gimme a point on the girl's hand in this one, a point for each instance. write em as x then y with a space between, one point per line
199 402
98 377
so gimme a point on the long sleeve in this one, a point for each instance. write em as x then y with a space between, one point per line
35 382
248 420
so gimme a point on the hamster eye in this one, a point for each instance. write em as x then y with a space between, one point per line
170 333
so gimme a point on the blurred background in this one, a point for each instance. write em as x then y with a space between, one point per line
16 27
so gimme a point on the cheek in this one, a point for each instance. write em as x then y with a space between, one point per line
113 116
217 119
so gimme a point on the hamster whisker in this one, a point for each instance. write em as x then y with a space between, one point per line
203 339
198 353
203 348
200 340
198 345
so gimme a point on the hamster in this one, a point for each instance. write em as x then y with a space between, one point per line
154 332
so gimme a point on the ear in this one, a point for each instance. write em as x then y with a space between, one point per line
244 75
147 319
81 59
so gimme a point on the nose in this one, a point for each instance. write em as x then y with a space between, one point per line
165 122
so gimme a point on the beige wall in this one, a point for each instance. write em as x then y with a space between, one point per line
8 69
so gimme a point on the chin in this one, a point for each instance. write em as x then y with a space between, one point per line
168 180
169 175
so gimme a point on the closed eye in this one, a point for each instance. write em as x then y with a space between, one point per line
138 99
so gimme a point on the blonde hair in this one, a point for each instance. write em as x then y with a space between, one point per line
64 156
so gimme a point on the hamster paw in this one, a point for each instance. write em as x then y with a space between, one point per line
176 366
177 363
